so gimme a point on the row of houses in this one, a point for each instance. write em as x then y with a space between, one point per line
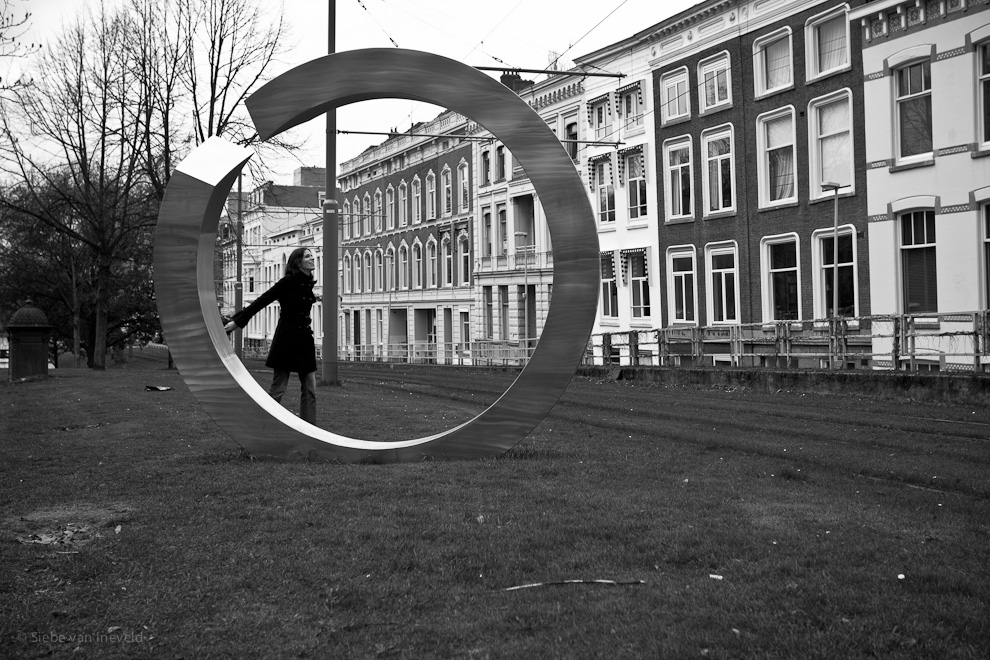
755 168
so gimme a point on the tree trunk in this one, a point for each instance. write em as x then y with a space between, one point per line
102 296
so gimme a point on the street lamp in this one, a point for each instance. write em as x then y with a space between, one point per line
523 235
835 187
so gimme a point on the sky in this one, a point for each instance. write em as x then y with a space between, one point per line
513 33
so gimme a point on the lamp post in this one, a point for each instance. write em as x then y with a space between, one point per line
523 235
835 187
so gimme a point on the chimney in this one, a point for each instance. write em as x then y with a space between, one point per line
515 82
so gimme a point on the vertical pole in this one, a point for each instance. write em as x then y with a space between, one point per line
239 282
331 300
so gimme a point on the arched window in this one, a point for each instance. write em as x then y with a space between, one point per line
347 274
447 278
403 267
431 263
464 260
417 266
368 282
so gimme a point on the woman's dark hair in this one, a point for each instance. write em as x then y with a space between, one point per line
292 268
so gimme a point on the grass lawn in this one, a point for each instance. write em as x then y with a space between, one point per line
734 524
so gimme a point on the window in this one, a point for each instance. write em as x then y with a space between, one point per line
824 241
984 92
719 173
487 240
639 285
358 284
431 264
500 163
431 196
986 256
601 113
681 297
403 267
369 283
503 229
390 281
675 99
489 320
678 190
347 274
358 217
378 211
716 84
830 142
605 191
777 173
636 184
722 296
417 266
379 272
390 208
462 186
827 43
464 253
448 263
918 264
610 290
631 103
503 303
486 168
914 109
782 297
773 66
369 213
448 192
345 219
571 135
403 206
417 202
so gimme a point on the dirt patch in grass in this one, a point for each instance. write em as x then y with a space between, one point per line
67 525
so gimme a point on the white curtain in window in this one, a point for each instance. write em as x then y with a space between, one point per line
780 155
778 63
835 143
832 43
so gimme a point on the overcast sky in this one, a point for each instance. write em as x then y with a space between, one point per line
515 33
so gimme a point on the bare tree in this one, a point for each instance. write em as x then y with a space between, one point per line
80 165
12 27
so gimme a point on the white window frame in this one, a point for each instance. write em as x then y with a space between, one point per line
673 144
760 50
403 268
609 289
446 262
378 212
903 248
713 250
763 172
464 192
417 202
416 259
390 207
347 274
345 218
402 209
369 282
815 175
391 283
639 284
447 191
601 114
368 217
637 212
604 184
632 117
818 265
675 283
716 63
711 135
766 274
464 254
379 270
431 196
983 97
356 266
431 263
671 84
811 50
907 98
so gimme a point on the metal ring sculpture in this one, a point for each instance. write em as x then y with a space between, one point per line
199 187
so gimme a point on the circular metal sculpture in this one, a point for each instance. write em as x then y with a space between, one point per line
199 187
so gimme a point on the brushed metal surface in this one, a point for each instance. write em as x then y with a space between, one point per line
187 230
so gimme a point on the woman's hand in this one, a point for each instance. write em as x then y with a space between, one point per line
230 327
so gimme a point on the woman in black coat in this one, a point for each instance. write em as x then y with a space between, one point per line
293 348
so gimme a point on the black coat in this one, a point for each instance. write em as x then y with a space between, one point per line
293 348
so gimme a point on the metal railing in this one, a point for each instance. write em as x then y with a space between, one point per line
933 342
